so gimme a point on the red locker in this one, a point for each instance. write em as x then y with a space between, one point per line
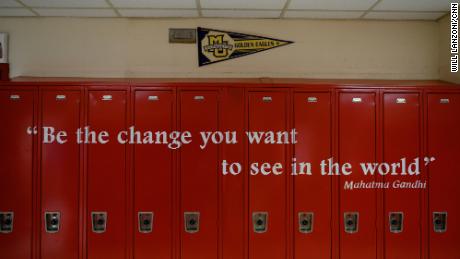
443 143
401 139
106 177
153 177
312 215
199 177
60 176
233 186
268 194
357 144
16 184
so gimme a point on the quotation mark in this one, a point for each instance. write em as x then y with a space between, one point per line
428 160
32 130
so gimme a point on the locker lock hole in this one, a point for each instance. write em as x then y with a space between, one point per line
52 222
260 222
6 222
351 222
145 222
99 221
305 222
396 222
440 222
192 222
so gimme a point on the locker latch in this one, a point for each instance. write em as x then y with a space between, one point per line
15 97
305 222
396 221
351 222
444 101
145 222
6 222
52 221
153 98
357 100
99 221
267 99
440 222
260 221
192 222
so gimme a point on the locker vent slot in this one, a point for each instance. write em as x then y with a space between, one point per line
401 100
106 98
99 221
396 222
444 101
357 100
145 222
15 97
52 222
153 98
6 222
60 97
260 222
312 99
192 222
440 222
267 99
198 98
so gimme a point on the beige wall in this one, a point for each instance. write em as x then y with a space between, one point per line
116 47
444 52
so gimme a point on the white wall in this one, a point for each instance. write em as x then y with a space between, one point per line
117 47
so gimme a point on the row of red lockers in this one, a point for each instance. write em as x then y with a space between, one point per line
147 201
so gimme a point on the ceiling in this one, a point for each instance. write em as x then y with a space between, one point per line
289 9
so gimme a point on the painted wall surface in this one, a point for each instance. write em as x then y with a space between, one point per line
117 47
444 52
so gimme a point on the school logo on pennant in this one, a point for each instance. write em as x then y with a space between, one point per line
216 46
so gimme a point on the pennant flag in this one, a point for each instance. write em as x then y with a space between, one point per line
216 46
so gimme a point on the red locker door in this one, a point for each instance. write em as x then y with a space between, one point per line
60 177
200 181
16 163
357 134
154 178
312 120
401 139
268 193
233 186
106 188
444 144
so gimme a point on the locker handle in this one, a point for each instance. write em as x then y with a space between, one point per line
440 222
6 222
106 98
15 97
260 222
192 222
357 100
198 98
351 221
145 222
401 100
267 99
153 98
99 222
312 99
60 97
396 220
52 222
444 101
